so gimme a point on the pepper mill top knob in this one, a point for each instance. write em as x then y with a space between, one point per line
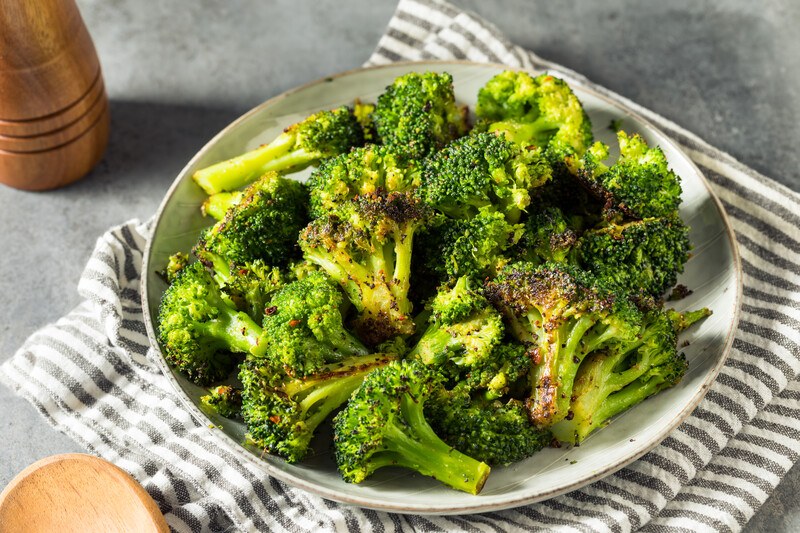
53 107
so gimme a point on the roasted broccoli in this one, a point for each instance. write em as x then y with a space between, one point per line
304 325
282 412
198 329
639 184
548 236
383 424
491 431
249 287
224 400
450 248
479 171
366 247
418 114
464 341
264 225
641 256
626 373
321 135
562 314
175 264
541 111
364 170
216 205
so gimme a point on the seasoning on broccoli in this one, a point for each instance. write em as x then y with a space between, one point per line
224 400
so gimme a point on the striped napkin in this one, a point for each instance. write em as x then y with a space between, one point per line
94 377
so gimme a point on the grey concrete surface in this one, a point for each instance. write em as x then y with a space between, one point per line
178 71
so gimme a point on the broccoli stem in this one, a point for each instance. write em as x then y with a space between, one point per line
327 396
434 342
417 447
238 330
218 204
239 171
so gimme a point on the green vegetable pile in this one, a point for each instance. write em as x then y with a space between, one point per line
459 295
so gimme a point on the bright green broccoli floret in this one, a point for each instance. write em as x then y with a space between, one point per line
541 111
483 170
639 184
176 263
383 424
364 170
463 340
264 226
223 400
282 412
625 374
451 248
366 247
418 115
198 329
642 256
251 286
548 236
305 328
491 431
562 314
321 135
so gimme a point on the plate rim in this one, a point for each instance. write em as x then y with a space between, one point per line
473 505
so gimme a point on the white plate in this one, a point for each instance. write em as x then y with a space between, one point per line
713 272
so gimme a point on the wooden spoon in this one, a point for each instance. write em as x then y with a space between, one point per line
77 493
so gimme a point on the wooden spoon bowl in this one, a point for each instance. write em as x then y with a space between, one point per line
77 493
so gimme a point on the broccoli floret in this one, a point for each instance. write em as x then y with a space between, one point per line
223 400
418 115
305 328
216 205
463 340
251 286
639 184
548 237
480 171
366 247
264 225
491 431
642 256
625 374
175 264
282 412
451 248
361 171
383 424
562 314
363 113
198 329
541 111
321 135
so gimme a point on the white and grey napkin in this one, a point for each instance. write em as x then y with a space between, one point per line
93 375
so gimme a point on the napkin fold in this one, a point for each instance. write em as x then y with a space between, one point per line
93 375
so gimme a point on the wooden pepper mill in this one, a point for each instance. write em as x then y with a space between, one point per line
53 106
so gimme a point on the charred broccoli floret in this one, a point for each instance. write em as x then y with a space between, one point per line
175 264
223 400
417 114
249 287
541 111
321 135
641 256
480 171
364 170
282 412
366 247
304 324
639 184
464 341
491 431
383 424
613 380
562 314
198 329
264 226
